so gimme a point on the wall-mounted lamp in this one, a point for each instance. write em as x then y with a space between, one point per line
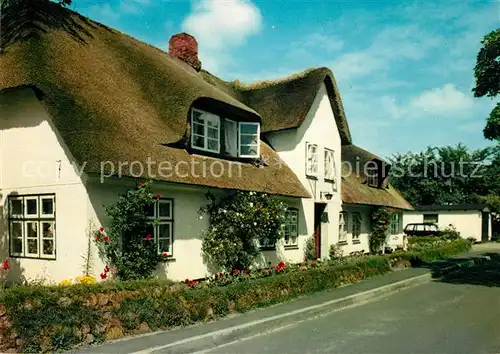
326 195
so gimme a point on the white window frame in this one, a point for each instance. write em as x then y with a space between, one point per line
395 225
356 224
329 165
372 179
240 134
312 163
343 226
156 220
205 115
25 220
290 237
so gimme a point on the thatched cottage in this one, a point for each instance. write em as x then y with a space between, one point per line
86 111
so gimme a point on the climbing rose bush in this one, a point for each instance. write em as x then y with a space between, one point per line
127 246
381 219
238 223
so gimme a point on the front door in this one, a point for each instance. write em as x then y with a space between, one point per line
319 209
485 229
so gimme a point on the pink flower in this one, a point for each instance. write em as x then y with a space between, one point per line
245 271
106 269
164 254
101 229
6 264
148 237
314 265
236 272
106 239
98 238
158 196
142 184
103 276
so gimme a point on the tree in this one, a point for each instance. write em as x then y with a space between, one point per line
447 175
487 75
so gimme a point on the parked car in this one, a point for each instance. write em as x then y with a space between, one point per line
422 229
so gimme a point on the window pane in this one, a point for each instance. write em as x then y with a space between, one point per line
248 151
17 245
32 229
32 246
248 128
47 206
213 133
150 210
198 129
164 231
212 120
231 137
197 117
165 209
198 141
47 230
164 245
249 140
31 207
16 207
213 145
48 247
16 230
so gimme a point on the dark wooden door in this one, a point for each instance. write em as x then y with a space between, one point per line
319 209
485 229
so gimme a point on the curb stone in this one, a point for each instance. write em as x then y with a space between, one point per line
224 336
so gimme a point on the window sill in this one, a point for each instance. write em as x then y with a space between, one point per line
268 248
312 177
292 247
168 259
327 180
356 242
33 258
342 243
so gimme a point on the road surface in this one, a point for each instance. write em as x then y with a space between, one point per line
432 318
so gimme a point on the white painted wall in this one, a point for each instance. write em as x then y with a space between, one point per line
34 160
318 128
467 222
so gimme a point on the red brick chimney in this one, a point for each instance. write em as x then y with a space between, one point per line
185 47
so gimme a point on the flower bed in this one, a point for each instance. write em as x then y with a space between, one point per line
43 319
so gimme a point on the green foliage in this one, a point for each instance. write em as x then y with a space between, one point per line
381 219
46 319
447 175
310 249
238 222
128 244
487 75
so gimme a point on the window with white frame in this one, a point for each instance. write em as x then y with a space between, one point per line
291 228
248 140
356 226
329 165
396 225
312 160
161 214
343 226
372 174
32 226
205 131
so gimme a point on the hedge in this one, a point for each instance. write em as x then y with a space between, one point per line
46 319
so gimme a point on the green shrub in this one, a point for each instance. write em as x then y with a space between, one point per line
47 319
310 249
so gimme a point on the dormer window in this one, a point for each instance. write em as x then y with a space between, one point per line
372 175
205 131
226 136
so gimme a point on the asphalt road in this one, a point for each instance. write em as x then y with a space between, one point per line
432 318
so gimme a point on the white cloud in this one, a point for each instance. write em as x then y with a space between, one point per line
220 26
444 101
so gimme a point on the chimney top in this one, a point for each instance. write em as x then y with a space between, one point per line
183 46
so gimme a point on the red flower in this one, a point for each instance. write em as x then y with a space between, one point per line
148 237
186 281
158 196
6 264
103 276
98 238
106 238
101 229
106 269
164 254
245 271
236 272
142 184
314 265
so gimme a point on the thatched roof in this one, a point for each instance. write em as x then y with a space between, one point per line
454 207
284 103
355 189
114 98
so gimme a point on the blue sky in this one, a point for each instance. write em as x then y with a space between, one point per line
404 68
